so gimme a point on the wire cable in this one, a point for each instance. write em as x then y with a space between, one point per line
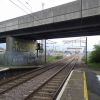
22 9
18 6
28 4
24 5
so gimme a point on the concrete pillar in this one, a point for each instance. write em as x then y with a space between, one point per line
9 43
19 52
20 45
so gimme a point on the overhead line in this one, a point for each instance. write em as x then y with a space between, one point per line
18 6
28 4
21 8
24 5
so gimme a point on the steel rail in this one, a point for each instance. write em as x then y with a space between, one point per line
63 68
60 87
26 73
28 78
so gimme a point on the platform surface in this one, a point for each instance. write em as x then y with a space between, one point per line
3 69
93 84
74 89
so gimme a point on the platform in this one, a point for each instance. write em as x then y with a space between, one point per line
3 69
19 67
93 84
75 88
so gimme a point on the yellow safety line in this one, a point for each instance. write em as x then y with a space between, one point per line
85 88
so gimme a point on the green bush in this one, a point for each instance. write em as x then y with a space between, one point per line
54 58
58 57
95 55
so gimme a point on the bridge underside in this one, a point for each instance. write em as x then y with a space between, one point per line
80 27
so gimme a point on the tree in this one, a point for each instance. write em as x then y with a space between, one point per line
95 55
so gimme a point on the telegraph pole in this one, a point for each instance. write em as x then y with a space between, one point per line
45 39
45 52
86 36
86 50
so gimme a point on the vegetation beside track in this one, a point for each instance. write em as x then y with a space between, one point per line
53 58
93 59
95 55
94 66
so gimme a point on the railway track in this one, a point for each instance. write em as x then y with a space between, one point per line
29 85
15 81
2 82
50 89
8 85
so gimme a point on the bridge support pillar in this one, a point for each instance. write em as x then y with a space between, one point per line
20 45
20 52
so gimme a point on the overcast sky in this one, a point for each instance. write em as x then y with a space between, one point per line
8 10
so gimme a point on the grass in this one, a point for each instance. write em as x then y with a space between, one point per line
94 66
53 58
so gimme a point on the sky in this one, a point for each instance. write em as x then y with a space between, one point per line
91 41
9 10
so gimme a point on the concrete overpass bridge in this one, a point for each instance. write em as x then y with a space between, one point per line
78 18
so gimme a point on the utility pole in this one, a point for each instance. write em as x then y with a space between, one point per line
45 52
86 50
81 24
45 39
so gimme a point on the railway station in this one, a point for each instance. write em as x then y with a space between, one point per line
45 54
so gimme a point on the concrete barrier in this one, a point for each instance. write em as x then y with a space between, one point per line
19 58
